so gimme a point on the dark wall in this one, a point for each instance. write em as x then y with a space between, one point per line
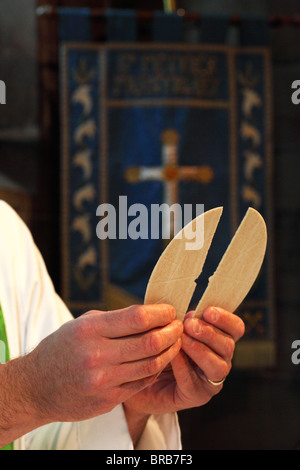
257 409
261 410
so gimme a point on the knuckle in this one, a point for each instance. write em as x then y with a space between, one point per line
94 381
153 343
224 370
140 317
81 328
90 359
153 365
229 347
241 328
209 332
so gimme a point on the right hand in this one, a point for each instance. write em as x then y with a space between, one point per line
99 360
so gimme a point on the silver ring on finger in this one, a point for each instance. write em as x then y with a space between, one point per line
216 384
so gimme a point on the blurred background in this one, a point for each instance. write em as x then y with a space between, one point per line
259 408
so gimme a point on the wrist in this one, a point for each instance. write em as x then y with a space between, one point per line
136 422
18 412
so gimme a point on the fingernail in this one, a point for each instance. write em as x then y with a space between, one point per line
196 327
188 315
211 314
179 325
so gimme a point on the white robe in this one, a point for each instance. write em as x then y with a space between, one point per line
32 310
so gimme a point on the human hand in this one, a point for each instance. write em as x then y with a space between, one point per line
207 350
208 345
93 363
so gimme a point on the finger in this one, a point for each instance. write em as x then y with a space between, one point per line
213 366
188 315
131 320
140 346
137 370
190 378
136 386
216 339
121 392
184 373
225 321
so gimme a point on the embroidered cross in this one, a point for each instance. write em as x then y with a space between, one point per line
170 173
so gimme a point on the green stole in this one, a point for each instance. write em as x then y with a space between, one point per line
4 357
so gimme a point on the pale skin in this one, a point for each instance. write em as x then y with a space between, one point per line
137 356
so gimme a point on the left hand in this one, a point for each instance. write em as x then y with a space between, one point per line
207 350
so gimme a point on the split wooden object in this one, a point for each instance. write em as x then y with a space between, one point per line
173 278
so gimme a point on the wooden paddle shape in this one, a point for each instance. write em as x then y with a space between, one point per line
173 278
239 267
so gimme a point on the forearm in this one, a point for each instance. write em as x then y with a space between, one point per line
136 423
17 412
